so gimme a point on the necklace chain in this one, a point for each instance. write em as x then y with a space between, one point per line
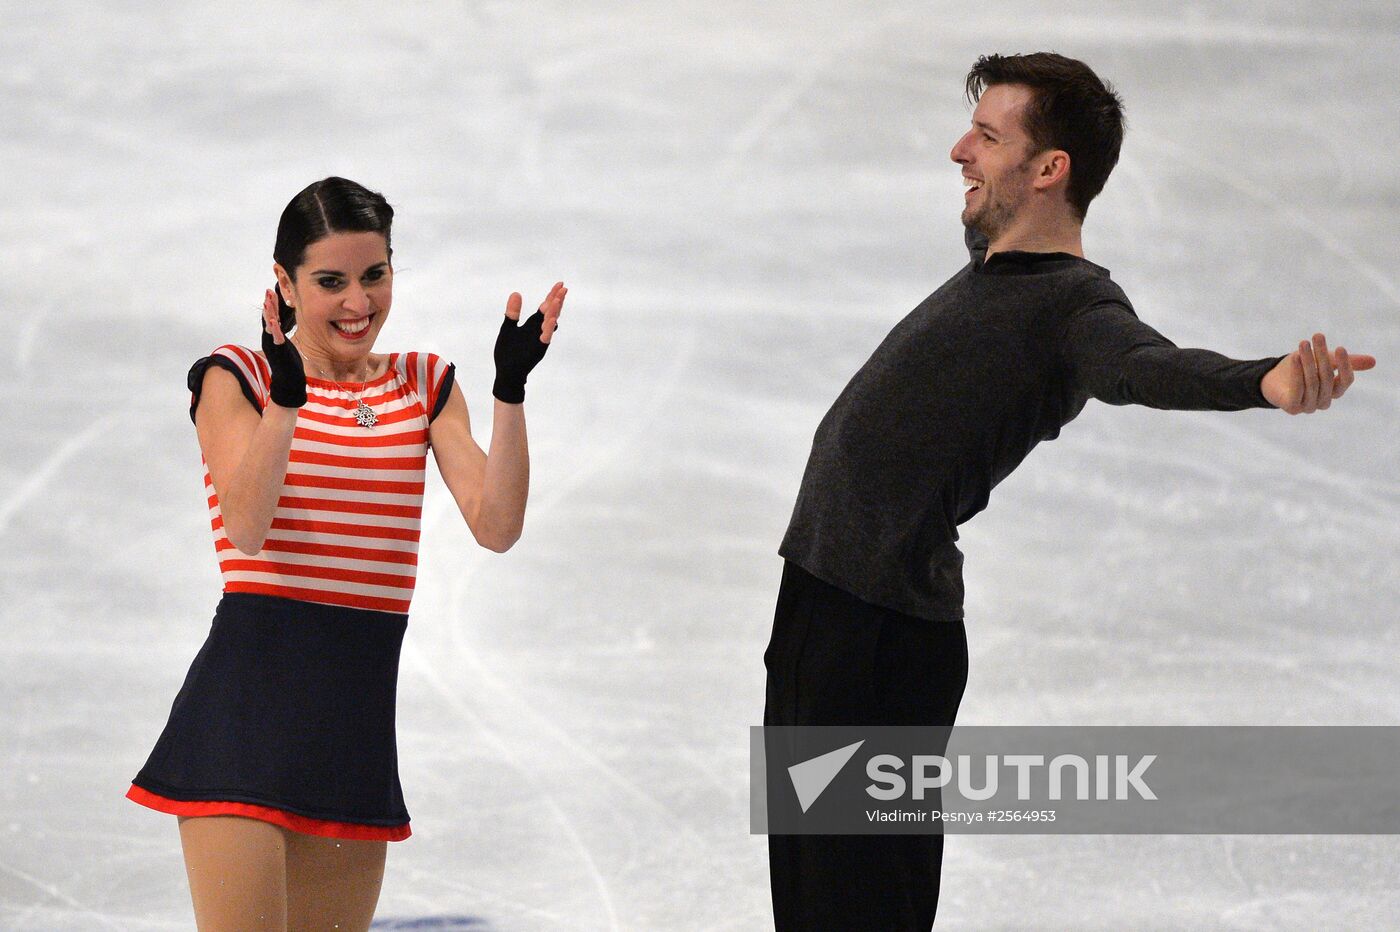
364 414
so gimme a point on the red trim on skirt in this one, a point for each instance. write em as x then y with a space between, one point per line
296 823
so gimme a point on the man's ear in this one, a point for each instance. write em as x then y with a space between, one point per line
1053 169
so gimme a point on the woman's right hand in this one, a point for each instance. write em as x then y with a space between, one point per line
288 372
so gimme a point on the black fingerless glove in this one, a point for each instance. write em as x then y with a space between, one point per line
288 373
518 350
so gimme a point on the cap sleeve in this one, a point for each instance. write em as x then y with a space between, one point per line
442 378
430 377
246 366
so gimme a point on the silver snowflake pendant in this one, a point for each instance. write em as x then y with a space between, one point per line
364 414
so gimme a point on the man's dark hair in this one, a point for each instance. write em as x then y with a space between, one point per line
1071 108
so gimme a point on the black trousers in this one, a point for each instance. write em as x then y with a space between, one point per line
836 660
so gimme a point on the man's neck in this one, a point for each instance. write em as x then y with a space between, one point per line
1040 237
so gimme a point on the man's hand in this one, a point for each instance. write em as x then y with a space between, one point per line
1310 378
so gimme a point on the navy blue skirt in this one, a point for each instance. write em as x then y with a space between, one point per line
288 705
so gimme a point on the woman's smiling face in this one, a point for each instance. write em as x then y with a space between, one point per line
341 292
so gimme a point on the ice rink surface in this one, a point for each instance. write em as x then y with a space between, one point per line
743 199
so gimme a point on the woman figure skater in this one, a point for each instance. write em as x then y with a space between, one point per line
279 756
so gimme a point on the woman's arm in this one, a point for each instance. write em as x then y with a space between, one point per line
490 489
246 454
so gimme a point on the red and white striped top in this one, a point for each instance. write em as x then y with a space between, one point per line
346 527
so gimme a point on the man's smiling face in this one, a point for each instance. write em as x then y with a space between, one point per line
995 158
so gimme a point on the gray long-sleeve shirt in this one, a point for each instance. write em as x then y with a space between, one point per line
998 359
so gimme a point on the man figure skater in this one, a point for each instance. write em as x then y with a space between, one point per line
868 628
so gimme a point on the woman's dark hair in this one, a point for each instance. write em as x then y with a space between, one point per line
331 205
1070 109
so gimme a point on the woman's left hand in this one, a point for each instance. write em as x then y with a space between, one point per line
520 347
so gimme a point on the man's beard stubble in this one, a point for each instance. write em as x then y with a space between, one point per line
990 218
996 213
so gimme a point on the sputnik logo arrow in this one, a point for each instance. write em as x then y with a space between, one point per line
811 777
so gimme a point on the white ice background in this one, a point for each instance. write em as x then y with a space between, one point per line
743 199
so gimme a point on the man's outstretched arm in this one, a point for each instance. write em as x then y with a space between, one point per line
1115 357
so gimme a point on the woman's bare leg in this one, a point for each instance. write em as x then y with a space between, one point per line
237 869
333 883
